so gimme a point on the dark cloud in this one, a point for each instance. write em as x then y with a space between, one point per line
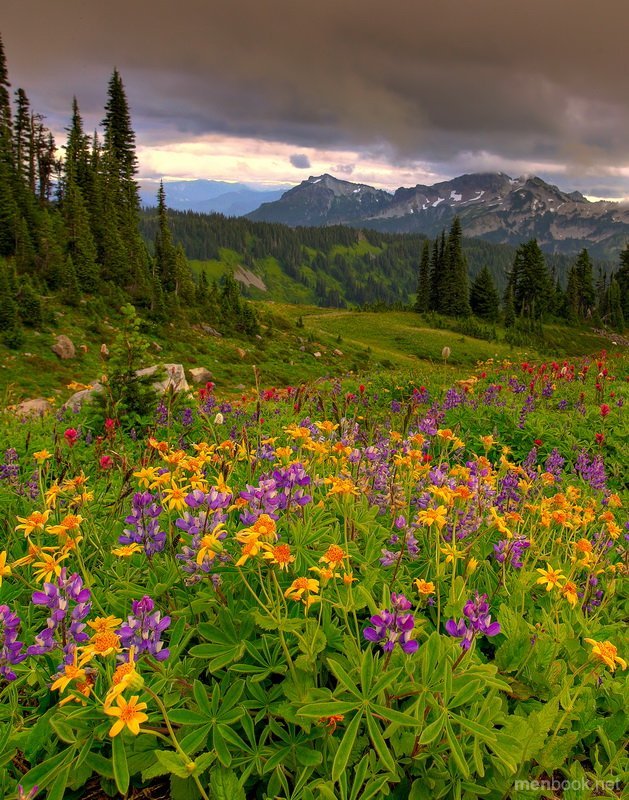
441 82
300 161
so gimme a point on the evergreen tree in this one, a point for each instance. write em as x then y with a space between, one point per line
614 305
165 252
5 94
508 307
484 299
81 246
587 295
78 168
572 296
120 140
185 288
29 304
437 270
622 278
530 281
23 145
71 292
9 318
456 284
422 301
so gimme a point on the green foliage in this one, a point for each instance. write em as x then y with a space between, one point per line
484 299
264 693
128 396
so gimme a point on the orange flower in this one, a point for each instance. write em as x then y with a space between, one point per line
334 556
569 591
607 653
433 516
278 554
104 624
263 528
34 522
130 714
48 566
301 589
250 549
5 569
71 672
127 550
425 587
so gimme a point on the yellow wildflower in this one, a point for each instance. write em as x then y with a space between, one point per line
42 455
71 672
569 591
34 522
130 715
175 496
5 569
425 588
607 653
263 528
333 556
433 516
104 624
302 589
49 566
551 577
278 554
127 550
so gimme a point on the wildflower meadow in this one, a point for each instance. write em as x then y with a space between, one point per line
398 588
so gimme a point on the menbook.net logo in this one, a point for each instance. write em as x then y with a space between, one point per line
575 784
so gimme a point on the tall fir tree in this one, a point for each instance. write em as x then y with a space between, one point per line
456 300
165 252
5 93
622 278
8 206
530 282
422 301
120 197
615 315
484 299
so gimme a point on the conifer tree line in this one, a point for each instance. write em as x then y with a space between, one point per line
533 291
71 225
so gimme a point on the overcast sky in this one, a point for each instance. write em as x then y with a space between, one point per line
385 92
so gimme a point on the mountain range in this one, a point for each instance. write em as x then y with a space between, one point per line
491 206
208 197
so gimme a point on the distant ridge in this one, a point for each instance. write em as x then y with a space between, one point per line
491 206
208 197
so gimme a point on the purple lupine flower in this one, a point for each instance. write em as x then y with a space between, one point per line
591 470
187 417
508 493
161 413
452 399
478 621
10 470
10 648
209 513
144 628
554 463
511 549
393 627
66 595
143 522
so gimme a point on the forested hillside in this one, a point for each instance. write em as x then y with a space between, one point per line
333 265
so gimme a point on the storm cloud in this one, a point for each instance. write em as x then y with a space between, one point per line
456 86
300 161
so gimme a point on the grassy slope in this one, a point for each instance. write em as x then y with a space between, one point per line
284 355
